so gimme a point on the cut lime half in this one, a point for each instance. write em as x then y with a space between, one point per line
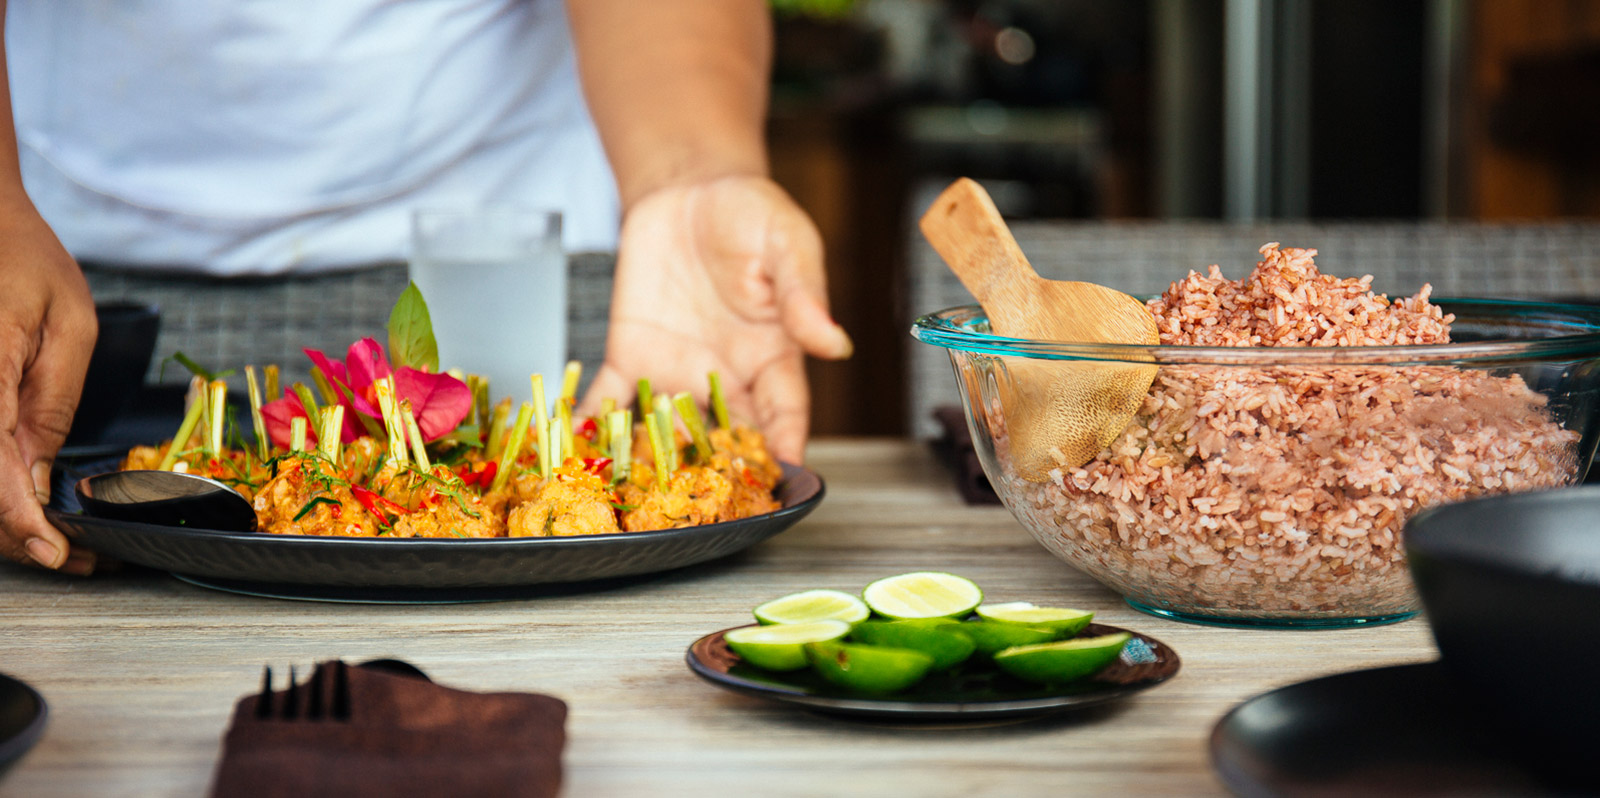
868 669
990 637
1065 622
946 647
1063 661
781 647
922 594
813 605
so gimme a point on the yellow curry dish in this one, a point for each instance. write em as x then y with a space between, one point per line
402 450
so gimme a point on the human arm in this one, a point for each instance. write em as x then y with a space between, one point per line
47 331
718 269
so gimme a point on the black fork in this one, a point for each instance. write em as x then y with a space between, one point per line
320 704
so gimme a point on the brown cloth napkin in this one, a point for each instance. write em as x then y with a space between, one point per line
955 448
405 736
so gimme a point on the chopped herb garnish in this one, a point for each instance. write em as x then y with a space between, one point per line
310 505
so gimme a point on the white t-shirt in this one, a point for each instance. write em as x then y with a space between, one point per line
267 136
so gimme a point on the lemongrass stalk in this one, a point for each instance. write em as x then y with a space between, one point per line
646 400
480 401
324 388
719 401
569 381
270 374
263 446
200 391
669 430
541 423
297 434
309 402
476 414
695 424
371 425
546 448
658 449
508 457
557 454
381 396
419 450
191 418
330 437
620 429
330 397
497 432
602 428
392 427
217 405
562 424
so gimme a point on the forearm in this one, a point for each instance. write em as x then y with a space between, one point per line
677 88
10 172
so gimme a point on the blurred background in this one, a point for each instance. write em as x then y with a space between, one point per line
1441 140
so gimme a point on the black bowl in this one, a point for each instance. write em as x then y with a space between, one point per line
1511 587
116 369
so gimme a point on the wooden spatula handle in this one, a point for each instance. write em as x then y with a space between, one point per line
967 230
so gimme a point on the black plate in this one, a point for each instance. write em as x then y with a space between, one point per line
960 694
426 570
22 718
1401 730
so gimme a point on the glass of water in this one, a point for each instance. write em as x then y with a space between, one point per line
495 280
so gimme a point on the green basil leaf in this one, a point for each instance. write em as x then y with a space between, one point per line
411 341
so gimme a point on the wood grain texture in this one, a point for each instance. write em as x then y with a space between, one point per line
141 671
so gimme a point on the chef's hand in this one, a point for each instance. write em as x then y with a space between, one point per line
721 275
47 332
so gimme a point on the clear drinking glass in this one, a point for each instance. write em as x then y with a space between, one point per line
495 280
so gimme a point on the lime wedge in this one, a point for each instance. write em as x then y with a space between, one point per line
922 594
946 647
781 647
993 636
813 605
868 669
1062 661
1065 622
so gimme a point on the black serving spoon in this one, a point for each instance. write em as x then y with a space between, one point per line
166 498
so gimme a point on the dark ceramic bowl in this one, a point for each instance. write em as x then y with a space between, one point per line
1511 586
116 369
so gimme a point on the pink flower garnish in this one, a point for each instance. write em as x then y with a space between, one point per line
439 401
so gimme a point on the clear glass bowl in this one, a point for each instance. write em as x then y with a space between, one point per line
1268 486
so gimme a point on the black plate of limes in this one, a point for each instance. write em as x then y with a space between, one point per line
924 647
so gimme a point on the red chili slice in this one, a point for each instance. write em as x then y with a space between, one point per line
595 465
376 504
588 429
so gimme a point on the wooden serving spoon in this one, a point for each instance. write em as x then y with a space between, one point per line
1059 413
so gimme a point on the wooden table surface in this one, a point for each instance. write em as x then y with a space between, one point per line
141 671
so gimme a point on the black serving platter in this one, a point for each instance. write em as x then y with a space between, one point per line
22 719
1399 730
962 694
425 570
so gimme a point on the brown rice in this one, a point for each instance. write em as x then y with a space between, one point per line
1281 491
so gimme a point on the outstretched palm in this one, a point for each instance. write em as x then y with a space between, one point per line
723 276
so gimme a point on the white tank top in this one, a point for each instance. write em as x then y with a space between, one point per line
267 136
